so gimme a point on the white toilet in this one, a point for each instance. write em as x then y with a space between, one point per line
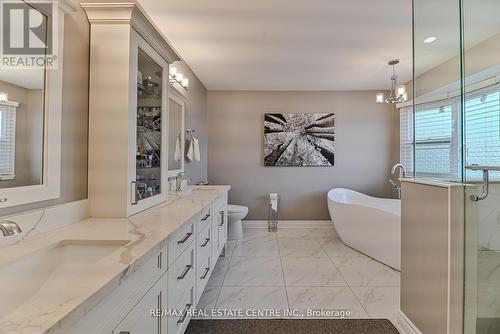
235 213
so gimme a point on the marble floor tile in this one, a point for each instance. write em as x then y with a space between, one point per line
326 298
256 233
293 232
252 298
379 302
324 233
219 272
254 271
336 248
311 271
266 245
230 247
209 298
295 245
363 271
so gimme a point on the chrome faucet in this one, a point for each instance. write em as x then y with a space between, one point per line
178 180
9 228
402 170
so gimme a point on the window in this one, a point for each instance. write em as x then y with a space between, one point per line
7 141
432 145
482 130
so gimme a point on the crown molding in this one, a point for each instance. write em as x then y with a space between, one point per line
130 13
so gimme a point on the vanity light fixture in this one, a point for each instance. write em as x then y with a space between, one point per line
398 94
176 77
430 39
4 97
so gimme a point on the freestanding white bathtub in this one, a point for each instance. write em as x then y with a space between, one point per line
368 224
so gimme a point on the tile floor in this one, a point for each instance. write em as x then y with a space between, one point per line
301 269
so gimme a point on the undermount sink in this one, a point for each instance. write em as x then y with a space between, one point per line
48 271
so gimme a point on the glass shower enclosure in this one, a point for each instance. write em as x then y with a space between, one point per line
455 128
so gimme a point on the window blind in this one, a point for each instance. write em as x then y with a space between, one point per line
482 129
432 145
7 141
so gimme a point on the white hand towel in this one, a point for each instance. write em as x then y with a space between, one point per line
190 153
196 144
177 152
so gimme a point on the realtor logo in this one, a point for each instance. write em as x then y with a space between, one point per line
28 34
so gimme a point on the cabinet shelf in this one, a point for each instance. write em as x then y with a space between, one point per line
143 91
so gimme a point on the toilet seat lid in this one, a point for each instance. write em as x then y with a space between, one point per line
236 208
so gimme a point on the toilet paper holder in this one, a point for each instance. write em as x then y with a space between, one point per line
272 213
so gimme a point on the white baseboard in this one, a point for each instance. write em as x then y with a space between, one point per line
405 326
289 224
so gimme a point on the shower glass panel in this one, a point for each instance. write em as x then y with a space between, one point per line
455 122
436 112
481 125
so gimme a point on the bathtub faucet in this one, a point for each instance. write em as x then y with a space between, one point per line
402 170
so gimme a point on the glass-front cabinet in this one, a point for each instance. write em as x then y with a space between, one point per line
148 184
128 110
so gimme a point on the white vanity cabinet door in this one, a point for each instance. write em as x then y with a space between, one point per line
222 228
219 226
139 319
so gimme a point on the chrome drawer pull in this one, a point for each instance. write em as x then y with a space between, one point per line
184 314
124 332
186 237
206 217
221 218
185 272
207 269
207 240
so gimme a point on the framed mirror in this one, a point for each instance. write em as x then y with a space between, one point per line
30 109
176 135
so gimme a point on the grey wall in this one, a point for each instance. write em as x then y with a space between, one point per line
74 114
365 149
196 118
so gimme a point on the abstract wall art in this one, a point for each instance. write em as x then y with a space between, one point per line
299 140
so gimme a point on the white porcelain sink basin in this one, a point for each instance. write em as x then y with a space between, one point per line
48 271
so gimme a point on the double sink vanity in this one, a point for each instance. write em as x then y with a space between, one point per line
140 256
116 275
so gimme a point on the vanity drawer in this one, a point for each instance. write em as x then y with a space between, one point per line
181 275
178 324
202 275
205 217
180 241
204 243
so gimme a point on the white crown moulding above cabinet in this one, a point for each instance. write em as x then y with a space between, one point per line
121 34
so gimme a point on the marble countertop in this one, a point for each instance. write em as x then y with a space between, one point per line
44 313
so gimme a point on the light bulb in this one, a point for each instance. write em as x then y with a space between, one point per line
173 71
401 90
179 77
429 39
380 97
4 97
185 82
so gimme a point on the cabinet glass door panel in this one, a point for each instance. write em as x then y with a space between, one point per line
149 127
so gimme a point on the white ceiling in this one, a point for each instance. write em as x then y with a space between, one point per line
316 44
288 45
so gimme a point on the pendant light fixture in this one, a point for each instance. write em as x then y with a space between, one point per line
398 94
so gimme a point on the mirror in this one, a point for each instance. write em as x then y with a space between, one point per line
175 135
22 116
